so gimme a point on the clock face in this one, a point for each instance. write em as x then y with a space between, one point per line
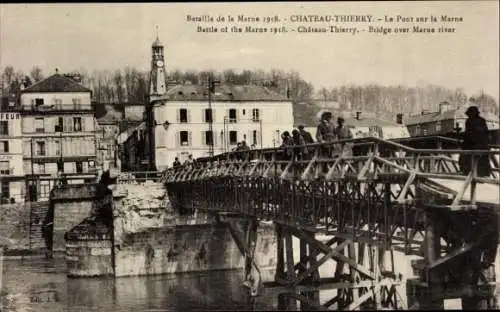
159 63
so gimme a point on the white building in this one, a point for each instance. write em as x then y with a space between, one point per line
11 154
239 113
184 123
58 128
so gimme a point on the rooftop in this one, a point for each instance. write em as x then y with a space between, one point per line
56 83
223 92
445 115
111 115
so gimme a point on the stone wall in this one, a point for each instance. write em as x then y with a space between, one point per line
147 239
14 226
66 216
89 254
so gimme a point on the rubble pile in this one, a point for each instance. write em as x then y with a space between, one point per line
145 206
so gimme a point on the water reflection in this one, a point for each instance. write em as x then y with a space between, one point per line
42 285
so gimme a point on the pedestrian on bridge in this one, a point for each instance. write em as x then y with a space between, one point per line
299 142
308 140
343 133
476 137
325 133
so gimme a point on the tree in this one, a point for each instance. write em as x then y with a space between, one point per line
118 84
27 81
7 78
36 74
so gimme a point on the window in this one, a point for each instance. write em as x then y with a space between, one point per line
4 127
4 167
232 115
77 102
244 112
58 103
59 125
5 189
57 144
254 137
77 123
79 167
233 137
4 146
417 130
40 148
38 168
255 115
184 138
60 166
38 102
39 125
209 137
208 115
183 115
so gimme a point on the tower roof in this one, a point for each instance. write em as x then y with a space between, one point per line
157 43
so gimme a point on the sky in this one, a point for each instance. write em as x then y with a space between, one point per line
111 36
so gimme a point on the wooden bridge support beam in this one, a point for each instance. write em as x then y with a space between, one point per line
357 278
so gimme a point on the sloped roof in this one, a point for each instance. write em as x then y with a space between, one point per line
305 114
446 115
225 92
124 135
111 115
56 83
134 114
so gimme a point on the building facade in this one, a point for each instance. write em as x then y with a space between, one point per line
447 120
185 123
58 128
107 131
12 188
362 125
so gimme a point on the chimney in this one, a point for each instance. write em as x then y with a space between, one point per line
443 107
399 119
358 114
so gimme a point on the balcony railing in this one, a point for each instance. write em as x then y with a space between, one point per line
57 107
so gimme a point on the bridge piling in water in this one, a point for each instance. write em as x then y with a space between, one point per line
388 197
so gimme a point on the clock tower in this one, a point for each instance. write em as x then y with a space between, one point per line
158 84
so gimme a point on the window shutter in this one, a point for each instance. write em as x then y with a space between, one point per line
179 116
203 142
214 138
190 138
178 138
84 120
213 115
188 115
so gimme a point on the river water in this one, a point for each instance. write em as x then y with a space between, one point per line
42 285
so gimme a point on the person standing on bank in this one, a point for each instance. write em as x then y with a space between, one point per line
476 137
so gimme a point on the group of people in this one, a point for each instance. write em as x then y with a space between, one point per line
476 137
326 132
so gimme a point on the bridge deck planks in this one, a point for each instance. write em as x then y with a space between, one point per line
488 194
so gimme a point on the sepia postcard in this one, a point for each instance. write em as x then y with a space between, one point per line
249 156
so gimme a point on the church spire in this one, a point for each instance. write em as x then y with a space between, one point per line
157 42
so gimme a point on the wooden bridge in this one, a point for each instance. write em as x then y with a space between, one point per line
382 197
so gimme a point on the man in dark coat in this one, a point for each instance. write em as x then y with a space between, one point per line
306 135
476 137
